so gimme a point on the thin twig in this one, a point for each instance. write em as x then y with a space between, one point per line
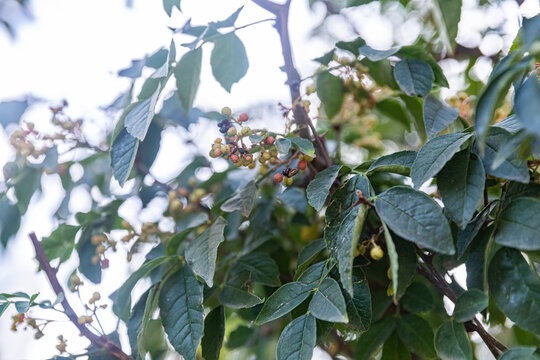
101 342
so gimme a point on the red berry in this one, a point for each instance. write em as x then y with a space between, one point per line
234 158
302 164
270 140
104 263
243 117
217 152
278 178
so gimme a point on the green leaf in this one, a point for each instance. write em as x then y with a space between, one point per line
122 303
341 237
60 243
359 305
394 349
304 145
201 253
236 298
319 187
308 254
417 298
469 304
492 96
393 258
399 162
331 92
149 148
508 149
466 236
512 168
314 273
283 300
419 52
182 313
437 115
345 196
261 266
214 332
520 353
283 145
229 21
135 323
123 151
417 335
327 303
461 185
169 4
515 288
86 250
229 60
11 111
518 225
414 216
298 339
531 29
414 77
138 118
10 220
3 307
27 184
187 73
351 46
452 342
22 306
371 340
407 265
376 55
243 200
447 18
326 58
434 155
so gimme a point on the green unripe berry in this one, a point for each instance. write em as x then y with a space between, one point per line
226 111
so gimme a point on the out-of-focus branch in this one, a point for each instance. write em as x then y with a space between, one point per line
101 342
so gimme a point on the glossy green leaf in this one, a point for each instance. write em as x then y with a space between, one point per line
327 303
508 149
283 300
182 313
515 288
452 342
243 200
342 236
414 77
520 353
394 349
359 305
331 92
437 115
417 298
346 195
370 341
416 334
351 46
414 216
469 304
261 266
229 60
518 225
319 187
297 339
304 145
236 298
421 53
376 55
399 162
122 303
214 332
434 155
283 145
138 119
512 168
466 236
461 185
308 254
201 253
22 306
187 73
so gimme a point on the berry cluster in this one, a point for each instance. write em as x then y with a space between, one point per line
288 173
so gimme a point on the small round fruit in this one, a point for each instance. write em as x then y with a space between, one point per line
226 111
278 178
231 131
234 158
288 181
217 152
243 117
389 273
302 164
270 140
376 252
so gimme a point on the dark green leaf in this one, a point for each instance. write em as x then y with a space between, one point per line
345 196
235 298
452 342
201 253
371 340
182 313
399 162
359 305
330 90
461 185
326 58
376 55
515 288
419 52
283 145
11 111
135 323
60 243
520 353
214 332
466 236
27 184
393 258
527 104
434 155
138 118
243 200
123 151
351 46
469 304
187 73
149 148
319 187
394 349
407 265
415 217
261 266
304 145
22 306
437 115
229 60
531 29
3 307
327 303
518 225
512 168
417 298
414 77
308 254
449 14
298 339
417 335
10 220
285 299
168 5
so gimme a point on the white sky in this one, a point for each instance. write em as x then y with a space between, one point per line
72 50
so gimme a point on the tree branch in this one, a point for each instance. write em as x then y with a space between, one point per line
433 276
281 11
101 342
